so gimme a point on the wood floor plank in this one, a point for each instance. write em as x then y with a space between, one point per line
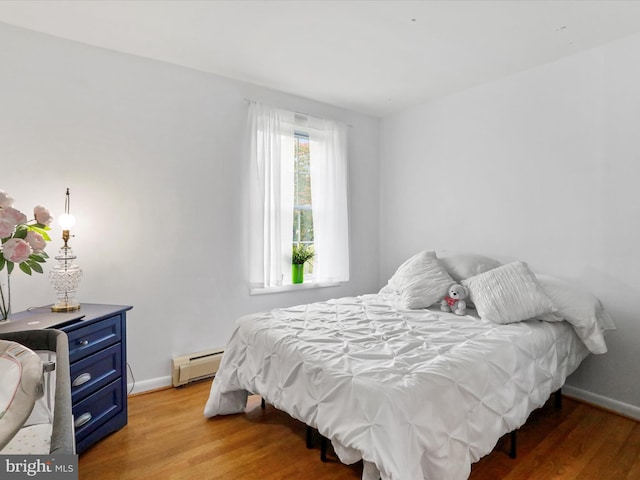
627 462
615 437
168 437
549 461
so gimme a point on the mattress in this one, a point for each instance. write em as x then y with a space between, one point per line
416 394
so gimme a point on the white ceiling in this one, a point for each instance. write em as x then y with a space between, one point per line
375 57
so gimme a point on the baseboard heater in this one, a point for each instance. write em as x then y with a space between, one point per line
195 366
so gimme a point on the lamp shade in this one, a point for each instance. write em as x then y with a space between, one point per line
66 221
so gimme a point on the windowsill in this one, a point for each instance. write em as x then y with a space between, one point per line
292 288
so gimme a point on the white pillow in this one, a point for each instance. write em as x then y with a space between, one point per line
421 281
467 265
21 374
581 309
508 294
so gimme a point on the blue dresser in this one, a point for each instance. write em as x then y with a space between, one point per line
97 358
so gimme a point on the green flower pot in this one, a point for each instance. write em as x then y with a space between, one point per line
297 272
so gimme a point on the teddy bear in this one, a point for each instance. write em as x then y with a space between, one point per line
454 302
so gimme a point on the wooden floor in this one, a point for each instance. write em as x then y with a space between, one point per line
169 438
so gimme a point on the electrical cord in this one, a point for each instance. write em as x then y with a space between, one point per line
133 384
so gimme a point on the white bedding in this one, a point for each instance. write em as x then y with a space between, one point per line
417 394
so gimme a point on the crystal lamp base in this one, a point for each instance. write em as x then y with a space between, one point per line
65 278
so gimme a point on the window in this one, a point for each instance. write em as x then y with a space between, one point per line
298 195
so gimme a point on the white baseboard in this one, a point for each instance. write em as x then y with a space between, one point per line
151 384
616 406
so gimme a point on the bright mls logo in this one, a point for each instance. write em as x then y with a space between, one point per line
54 467
30 468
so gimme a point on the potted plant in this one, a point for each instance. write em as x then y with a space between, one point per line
300 255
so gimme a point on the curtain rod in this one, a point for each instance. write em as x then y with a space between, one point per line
249 100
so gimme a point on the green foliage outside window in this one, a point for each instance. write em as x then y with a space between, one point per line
302 250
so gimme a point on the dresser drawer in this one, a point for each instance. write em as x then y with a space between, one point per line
96 409
84 341
95 371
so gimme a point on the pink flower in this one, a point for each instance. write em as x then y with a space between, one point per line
36 241
9 218
16 216
7 227
43 216
5 199
16 250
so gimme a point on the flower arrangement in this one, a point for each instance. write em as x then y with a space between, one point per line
301 254
23 243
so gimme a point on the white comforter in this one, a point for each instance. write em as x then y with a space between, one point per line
416 394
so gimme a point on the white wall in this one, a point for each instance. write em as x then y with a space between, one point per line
541 166
153 156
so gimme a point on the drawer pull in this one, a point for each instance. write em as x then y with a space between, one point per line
82 378
84 343
82 419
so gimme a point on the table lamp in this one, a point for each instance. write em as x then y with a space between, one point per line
65 276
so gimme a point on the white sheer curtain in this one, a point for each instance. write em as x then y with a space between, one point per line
328 151
271 157
272 134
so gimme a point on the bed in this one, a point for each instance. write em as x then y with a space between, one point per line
416 393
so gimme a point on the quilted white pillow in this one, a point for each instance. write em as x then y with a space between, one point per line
421 281
21 373
467 265
508 294
580 309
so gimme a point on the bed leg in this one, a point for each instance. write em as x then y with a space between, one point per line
309 436
263 404
324 443
512 452
323 448
558 398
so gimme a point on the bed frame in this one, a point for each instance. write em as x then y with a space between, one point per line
324 441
